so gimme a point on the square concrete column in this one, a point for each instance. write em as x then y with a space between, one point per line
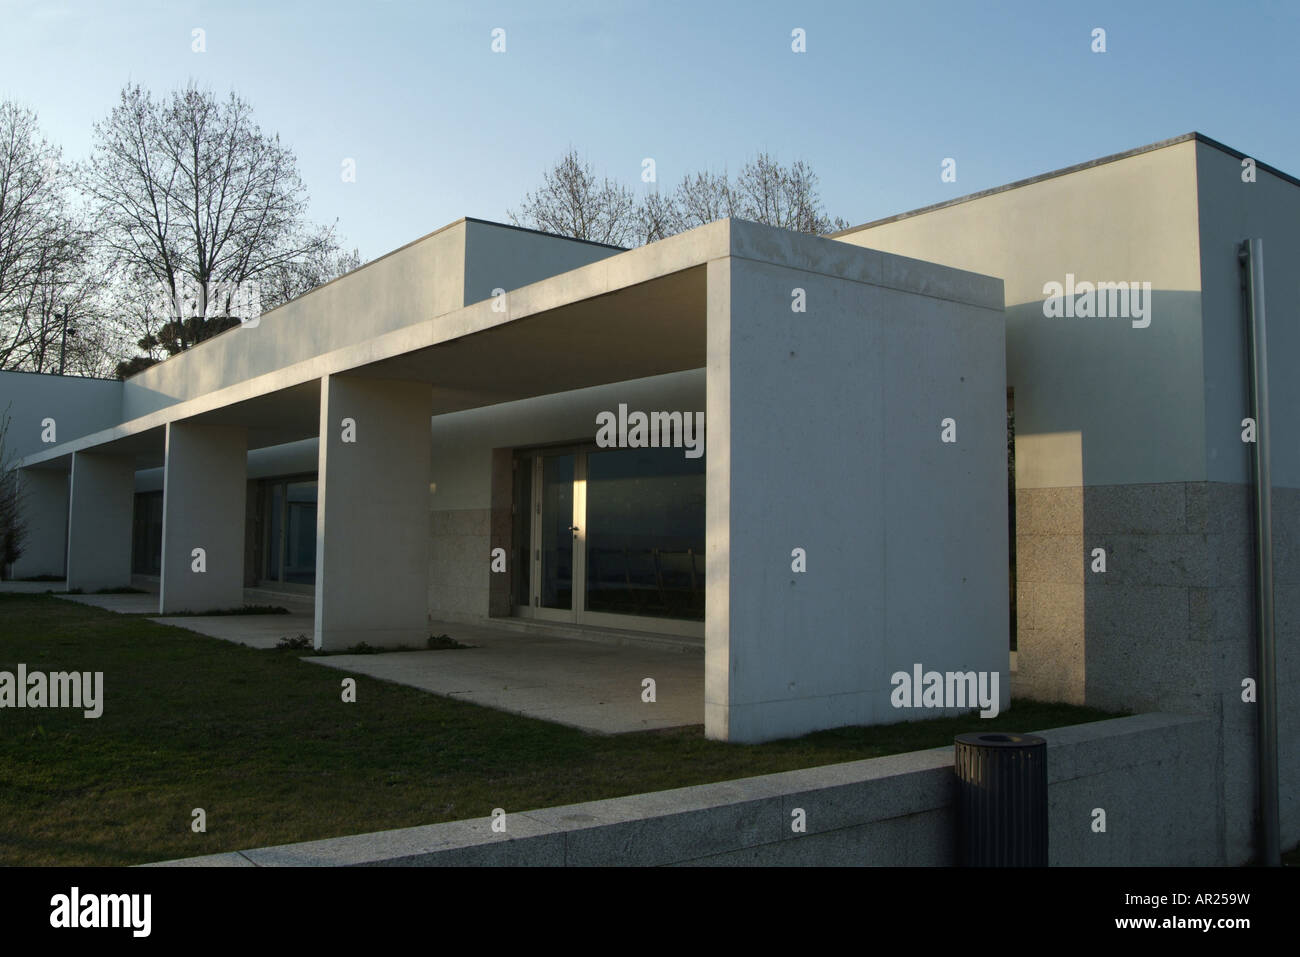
372 513
852 535
717 505
204 484
101 502
44 497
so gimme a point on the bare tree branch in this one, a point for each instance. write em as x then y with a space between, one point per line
44 247
188 191
572 203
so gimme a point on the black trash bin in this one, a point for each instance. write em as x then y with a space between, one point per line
1001 800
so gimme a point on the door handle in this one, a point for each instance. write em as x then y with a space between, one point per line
573 528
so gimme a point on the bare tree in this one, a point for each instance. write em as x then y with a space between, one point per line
783 196
64 308
44 247
134 317
658 217
192 197
704 198
572 203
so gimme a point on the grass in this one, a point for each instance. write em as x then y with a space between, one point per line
263 743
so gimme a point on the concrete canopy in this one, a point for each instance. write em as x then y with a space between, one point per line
590 326
652 328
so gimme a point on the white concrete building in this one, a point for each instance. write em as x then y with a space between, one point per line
391 438
419 439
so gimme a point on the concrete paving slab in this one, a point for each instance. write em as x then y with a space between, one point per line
577 683
122 604
253 630
256 631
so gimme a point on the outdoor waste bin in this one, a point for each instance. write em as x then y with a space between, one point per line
1001 800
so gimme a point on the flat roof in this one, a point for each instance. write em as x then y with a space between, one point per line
1150 147
647 316
542 232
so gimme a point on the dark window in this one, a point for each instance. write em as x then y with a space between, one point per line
146 534
290 546
645 533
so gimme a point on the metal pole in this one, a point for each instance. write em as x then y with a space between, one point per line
63 343
1251 256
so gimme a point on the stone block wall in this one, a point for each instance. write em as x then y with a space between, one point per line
460 551
1169 625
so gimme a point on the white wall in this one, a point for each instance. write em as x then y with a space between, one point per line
1231 211
1133 398
78 407
826 436
432 276
506 257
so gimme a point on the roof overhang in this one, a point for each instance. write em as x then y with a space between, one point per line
640 313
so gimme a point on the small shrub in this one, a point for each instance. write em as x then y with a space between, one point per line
298 642
444 643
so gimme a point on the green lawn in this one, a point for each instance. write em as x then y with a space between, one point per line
262 742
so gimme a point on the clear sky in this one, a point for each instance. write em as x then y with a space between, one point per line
441 127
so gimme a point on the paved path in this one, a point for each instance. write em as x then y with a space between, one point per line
590 684
132 604
585 684
256 631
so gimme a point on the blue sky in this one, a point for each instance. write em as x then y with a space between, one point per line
441 127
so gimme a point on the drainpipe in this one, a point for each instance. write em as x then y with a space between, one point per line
1251 257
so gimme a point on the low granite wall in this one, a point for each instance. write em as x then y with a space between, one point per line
1150 775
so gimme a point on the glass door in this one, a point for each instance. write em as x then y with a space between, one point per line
555 532
300 533
615 538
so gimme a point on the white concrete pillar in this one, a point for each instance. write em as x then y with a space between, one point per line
102 497
372 513
43 494
850 539
204 485
717 504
